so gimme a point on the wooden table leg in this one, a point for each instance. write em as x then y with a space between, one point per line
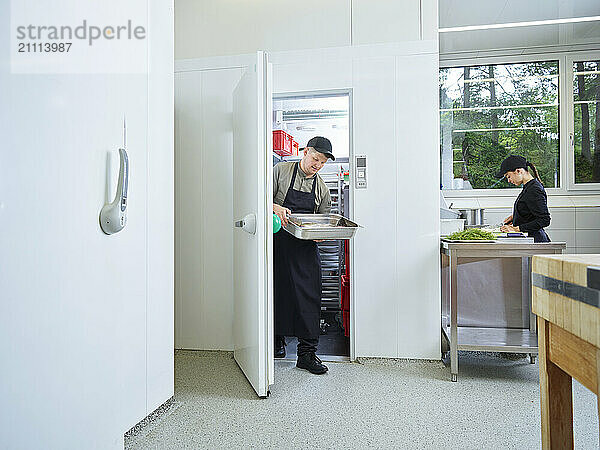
556 397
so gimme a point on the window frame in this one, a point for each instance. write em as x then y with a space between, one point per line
562 128
570 132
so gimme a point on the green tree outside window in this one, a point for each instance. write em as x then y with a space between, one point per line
488 112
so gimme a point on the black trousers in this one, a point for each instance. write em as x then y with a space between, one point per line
304 345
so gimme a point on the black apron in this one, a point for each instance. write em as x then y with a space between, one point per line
538 235
297 273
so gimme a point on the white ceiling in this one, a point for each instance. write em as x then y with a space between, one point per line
453 13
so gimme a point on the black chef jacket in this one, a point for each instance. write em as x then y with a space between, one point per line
531 208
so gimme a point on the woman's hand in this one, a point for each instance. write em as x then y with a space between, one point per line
509 229
508 220
282 213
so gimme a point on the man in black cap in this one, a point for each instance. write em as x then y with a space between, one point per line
297 188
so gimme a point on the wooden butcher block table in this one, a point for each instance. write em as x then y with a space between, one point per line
566 300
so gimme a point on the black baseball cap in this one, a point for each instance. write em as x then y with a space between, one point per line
322 145
510 164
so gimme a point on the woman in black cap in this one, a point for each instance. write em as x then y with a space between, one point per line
530 213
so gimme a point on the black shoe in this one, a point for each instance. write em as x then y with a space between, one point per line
279 347
312 363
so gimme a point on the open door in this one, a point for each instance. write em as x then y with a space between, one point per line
253 233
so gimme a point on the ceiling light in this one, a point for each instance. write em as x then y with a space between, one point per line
520 24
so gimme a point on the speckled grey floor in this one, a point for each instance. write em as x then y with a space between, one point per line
378 404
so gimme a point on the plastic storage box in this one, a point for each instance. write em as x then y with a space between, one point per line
282 143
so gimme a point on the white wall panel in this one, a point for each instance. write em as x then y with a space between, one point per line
583 200
231 27
417 247
377 295
75 298
333 74
562 201
587 218
495 216
567 236
429 19
73 320
562 218
378 21
161 196
492 203
588 238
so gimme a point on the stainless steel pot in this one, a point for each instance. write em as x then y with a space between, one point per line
472 216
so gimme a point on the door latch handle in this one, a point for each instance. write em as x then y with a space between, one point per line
248 224
113 216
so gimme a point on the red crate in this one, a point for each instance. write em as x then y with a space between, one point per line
282 143
295 148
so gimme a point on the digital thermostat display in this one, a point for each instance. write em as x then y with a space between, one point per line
360 172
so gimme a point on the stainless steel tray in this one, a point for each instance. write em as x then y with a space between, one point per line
320 226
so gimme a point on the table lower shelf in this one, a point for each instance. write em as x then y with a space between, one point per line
512 340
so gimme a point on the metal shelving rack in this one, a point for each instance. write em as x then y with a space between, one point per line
332 252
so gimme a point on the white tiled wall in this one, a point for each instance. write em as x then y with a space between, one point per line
587 218
496 215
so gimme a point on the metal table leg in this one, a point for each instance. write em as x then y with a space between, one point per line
526 293
453 317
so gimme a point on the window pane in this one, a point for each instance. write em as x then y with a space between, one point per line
492 111
586 99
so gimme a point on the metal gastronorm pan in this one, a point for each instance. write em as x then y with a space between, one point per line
320 226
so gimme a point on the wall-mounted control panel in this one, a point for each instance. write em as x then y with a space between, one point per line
360 171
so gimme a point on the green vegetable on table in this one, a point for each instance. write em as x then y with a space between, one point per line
472 234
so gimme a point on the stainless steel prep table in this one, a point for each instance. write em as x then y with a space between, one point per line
472 338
